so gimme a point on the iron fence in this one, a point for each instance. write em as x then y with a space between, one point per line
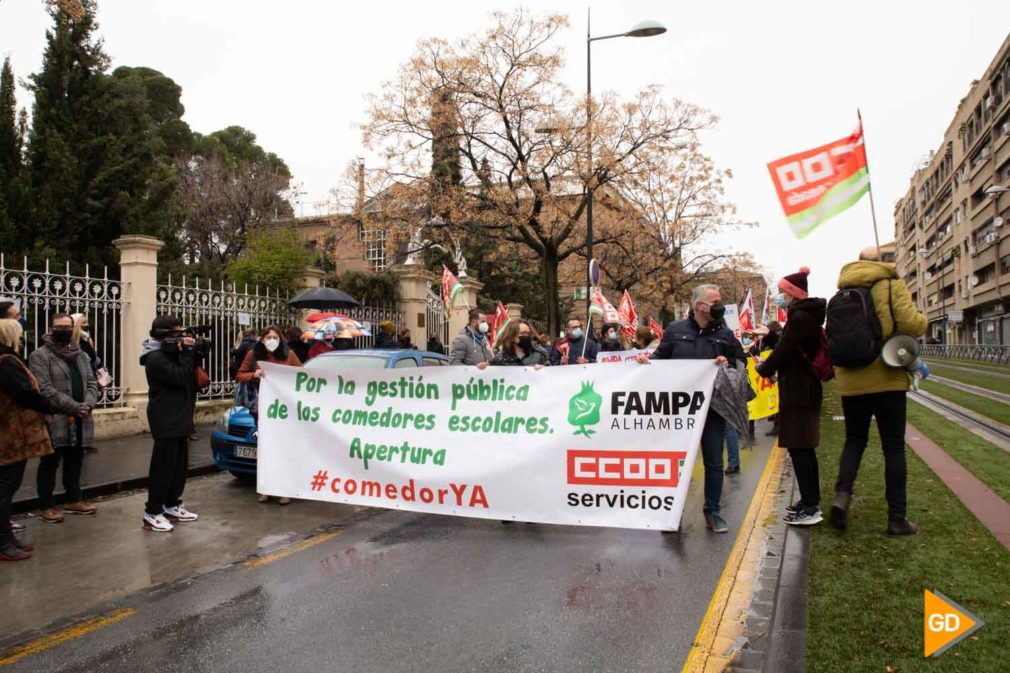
43 294
227 313
435 320
999 355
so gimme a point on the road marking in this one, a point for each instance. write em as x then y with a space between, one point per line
260 561
50 641
701 647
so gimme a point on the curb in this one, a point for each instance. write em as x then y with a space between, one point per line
715 645
104 489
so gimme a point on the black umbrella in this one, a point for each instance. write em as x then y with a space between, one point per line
322 298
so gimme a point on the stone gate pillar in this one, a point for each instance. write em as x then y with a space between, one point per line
138 271
413 289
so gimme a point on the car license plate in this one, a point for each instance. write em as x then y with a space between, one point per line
245 451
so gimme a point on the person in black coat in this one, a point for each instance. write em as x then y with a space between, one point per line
800 391
170 361
704 336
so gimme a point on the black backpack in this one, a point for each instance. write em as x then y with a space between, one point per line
855 336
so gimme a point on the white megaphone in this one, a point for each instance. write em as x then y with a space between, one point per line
901 352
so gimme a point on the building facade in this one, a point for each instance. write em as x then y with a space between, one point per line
951 225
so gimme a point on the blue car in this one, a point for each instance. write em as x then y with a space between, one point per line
233 441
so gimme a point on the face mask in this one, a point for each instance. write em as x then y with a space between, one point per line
61 335
612 336
575 333
747 341
86 335
781 300
483 327
525 342
717 311
271 344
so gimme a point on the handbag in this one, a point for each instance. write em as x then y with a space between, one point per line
202 379
820 364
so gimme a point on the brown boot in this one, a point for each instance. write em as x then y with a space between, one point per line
81 507
902 526
51 515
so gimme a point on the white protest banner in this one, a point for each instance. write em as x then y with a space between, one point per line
567 445
611 357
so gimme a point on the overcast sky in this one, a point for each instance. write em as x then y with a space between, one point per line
783 77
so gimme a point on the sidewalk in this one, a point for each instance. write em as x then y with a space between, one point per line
117 465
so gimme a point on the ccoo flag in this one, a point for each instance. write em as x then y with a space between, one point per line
816 185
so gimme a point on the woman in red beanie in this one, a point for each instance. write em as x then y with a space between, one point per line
800 391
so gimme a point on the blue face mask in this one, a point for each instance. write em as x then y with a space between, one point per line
781 300
575 333
747 341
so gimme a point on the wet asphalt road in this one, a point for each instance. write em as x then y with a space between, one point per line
391 591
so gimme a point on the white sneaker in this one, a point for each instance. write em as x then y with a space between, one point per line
179 513
157 523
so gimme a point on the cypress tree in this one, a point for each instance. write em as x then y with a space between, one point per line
10 159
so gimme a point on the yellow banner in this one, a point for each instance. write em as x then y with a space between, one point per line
767 401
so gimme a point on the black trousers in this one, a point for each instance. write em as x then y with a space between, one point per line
167 476
10 482
45 479
889 410
808 477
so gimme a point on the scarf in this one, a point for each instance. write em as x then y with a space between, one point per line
68 352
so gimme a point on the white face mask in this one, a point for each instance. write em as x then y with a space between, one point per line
271 344
483 327
86 335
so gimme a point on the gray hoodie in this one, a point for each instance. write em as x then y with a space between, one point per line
150 345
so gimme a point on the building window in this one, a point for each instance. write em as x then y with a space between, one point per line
1004 264
375 247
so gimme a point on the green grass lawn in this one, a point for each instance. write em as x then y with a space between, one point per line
998 411
866 590
1005 369
981 379
985 460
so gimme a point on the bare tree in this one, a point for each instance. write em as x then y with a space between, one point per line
223 202
522 139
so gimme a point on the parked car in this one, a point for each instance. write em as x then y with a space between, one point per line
233 441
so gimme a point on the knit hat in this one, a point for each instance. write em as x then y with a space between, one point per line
796 283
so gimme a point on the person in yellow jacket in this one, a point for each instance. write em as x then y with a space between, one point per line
877 391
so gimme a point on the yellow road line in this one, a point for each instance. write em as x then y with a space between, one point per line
71 632
701 648
261 561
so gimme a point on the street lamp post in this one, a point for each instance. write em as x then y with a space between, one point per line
642 29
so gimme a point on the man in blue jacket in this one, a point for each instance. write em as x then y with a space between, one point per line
704 336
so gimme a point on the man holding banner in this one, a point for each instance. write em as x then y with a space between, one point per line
704 336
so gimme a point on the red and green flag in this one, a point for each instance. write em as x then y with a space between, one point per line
451 287
815 185
498 323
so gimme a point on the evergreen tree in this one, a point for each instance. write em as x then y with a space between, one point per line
10 159
72 63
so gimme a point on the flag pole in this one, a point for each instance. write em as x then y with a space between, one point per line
869 186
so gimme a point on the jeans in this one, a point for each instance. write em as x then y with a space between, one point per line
167 480
45 478
732 446
10 482
889 410
808 477
712 438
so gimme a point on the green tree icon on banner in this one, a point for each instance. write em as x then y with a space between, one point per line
584 409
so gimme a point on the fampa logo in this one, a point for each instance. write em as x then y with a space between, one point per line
584 409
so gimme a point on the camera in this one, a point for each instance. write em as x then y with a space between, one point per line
172 341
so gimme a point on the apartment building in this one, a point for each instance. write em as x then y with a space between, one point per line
951 225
